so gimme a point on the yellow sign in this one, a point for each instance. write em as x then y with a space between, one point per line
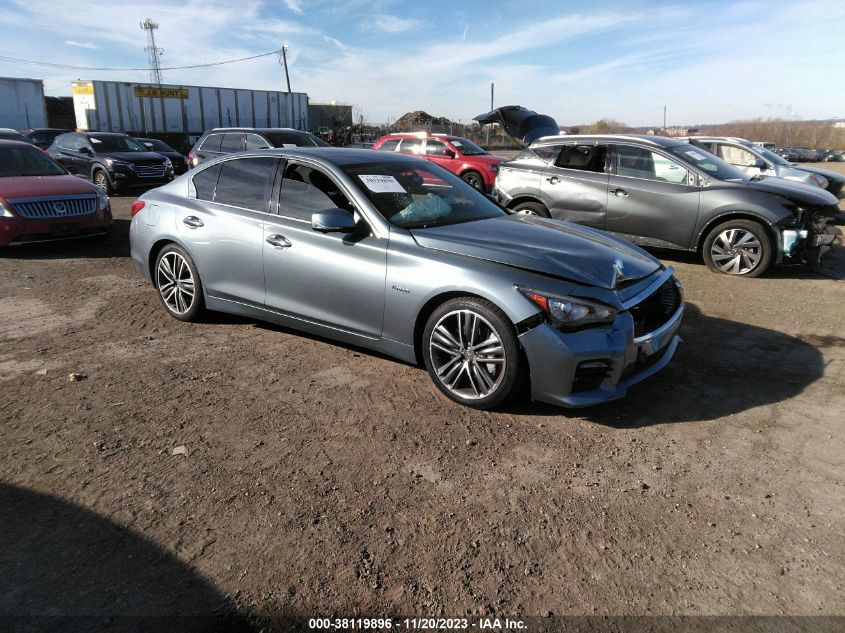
82 89
163 93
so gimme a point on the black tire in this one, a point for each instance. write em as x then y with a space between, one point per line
487 348
740 248
101 179
474 180
532 208
169 292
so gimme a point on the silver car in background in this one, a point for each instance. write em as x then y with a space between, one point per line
395 254
754 160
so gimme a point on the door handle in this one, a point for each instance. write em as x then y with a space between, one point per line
553 180
278 241
193 221
619 192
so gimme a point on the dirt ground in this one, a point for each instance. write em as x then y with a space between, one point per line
319 479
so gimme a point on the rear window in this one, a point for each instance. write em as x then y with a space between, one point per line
232 143
293 139
205 182
211 143
246 183
389 145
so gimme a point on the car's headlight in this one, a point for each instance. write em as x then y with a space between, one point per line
113 162
569 313
5 209
102 199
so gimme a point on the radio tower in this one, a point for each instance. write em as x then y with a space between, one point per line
153 52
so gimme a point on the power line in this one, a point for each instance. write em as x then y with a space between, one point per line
106 69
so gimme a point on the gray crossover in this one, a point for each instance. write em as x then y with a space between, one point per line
665 193
396 254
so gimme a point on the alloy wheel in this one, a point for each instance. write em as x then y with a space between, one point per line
467 354
175 283
736 251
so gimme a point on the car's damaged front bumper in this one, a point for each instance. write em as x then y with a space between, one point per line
578 369
808 237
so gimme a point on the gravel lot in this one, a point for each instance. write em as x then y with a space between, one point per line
320 479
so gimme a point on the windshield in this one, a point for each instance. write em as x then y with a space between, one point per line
413 196
23 161
156 145
115 144
771 156
706 162
467 148
295 139
14 136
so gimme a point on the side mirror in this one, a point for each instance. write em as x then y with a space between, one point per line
86 150
449 153
333 221
760 164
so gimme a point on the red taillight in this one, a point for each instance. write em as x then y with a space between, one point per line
136 207
191 157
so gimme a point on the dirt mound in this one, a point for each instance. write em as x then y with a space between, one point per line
413 121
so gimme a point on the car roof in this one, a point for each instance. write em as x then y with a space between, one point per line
645 139
731 139
11 143
255 129
336 155
102 133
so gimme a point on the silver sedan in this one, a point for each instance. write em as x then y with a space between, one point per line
395 254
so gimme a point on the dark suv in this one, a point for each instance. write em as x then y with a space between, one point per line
228 140
111 161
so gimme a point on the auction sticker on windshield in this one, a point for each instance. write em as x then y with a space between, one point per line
695 155
382 184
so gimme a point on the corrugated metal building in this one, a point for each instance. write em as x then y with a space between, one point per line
112 106
22 103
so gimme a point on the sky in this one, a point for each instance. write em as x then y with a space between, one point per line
707 62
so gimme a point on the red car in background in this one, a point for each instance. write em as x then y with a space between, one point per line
459 155
41 201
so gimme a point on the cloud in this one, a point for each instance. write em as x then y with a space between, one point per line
81 44
295 6
390 23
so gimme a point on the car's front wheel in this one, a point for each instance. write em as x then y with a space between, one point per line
178 284
471 352
738 247
474 179
101 179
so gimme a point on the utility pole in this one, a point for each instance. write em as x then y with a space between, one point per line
492 88
153 52
284 62
664 118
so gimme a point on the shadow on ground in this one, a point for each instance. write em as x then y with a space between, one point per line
721 368
116 244
65 568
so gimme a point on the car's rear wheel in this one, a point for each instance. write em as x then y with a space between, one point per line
474 179
178 284
471 352
741 248
532 208
101 179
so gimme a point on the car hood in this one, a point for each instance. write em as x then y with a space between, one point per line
33 186
796 191
553 247
132 157
523 125
827 173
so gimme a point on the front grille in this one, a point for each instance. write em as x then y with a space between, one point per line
149 171
656 309
55 207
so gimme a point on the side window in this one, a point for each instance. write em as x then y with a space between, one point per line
206 181
232 143
583 157
389 145
411 145
212 143
78 142
246 183
435 148
638 162
736 155
546 153
305 191
63 142
253 141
